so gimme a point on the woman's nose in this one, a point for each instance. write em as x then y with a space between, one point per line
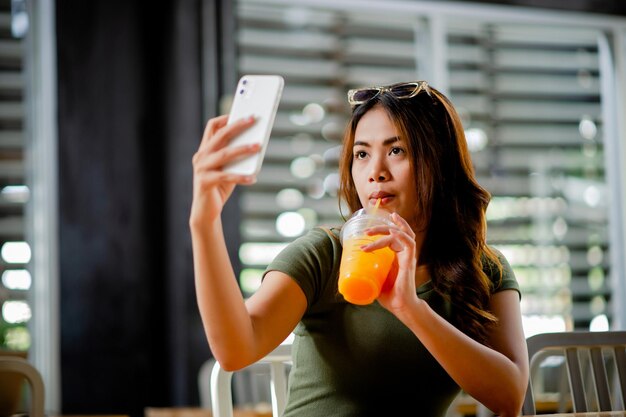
379 173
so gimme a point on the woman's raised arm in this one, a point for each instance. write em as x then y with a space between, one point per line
238 333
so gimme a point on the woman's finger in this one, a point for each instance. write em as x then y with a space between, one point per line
396 240
377 230
212 126
222 136
205 160
209 179
402 224
398 222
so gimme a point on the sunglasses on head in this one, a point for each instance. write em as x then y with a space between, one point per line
358 96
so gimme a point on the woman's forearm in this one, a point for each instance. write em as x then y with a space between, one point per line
484 373
226 321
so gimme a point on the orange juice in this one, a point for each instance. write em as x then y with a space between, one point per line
362 274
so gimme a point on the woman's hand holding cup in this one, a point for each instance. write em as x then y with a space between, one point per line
399 293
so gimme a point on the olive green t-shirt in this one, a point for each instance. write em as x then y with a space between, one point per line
358 361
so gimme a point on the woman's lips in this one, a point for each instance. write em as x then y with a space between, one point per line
384 199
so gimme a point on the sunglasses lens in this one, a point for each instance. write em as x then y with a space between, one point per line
364 95
400 90
403 90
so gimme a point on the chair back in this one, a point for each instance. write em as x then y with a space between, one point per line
571 345
221 388
13 370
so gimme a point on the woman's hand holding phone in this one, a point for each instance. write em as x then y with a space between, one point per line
212 186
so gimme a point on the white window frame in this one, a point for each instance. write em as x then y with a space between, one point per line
41 215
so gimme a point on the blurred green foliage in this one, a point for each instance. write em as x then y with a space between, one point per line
14 336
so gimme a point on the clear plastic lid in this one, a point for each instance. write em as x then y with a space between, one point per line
363 219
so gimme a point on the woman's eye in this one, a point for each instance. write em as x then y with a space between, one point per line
360 154
396 151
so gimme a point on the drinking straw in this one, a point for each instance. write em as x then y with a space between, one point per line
369 223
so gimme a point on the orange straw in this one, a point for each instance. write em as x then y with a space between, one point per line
369 223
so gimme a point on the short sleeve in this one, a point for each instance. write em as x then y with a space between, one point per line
507 280
310 261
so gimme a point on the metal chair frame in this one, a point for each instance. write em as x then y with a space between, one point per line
569 345
23 367
221 388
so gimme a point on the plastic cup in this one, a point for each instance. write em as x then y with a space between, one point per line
362 274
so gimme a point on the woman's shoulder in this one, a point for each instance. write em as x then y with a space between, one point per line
333 232
312 261
499 270
319 239
492 257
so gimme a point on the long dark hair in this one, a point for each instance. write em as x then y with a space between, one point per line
451 203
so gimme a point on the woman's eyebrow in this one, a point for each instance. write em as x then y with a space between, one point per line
385 142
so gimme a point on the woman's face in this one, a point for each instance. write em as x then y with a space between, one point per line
381 166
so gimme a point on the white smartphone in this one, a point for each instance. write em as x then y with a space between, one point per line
258 96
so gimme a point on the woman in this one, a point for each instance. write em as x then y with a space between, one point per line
450 321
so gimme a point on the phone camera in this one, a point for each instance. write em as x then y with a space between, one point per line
242 91
244 82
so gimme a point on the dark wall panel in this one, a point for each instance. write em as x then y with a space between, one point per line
183 127
113 327
130 119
